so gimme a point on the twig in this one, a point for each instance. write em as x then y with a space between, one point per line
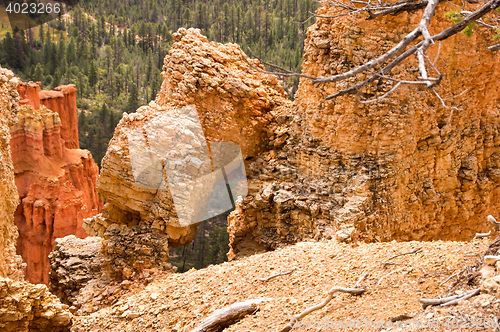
276 275
414 251
379 98
449 300
360 280
444 282
466 296
401 317
388 274
494 48
331 292
478 235
494 223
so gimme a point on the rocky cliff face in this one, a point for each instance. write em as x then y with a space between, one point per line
23 307
62 101
56 183
402 168
233 105
10 263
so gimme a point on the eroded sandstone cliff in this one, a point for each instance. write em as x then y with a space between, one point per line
233 104
23 307
402 168
56 181
10 263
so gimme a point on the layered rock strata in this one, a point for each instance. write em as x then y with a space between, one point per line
403 167
23 307
56 183
233 105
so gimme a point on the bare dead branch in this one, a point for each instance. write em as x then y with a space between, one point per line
222 318
401 317
411 37
329 297
414 251
374 62
480 235
494 223
494 48
388 274
449 278
276 275
449 300
466 296
429 12
360 280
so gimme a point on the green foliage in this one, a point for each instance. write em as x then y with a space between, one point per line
210 246
455 17
95 128
469 30
496 37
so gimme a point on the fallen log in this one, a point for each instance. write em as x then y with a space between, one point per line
223 318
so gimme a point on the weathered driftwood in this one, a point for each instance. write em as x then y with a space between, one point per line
479 235
222 318
331 292
445 301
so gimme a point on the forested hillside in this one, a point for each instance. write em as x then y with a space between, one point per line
113 50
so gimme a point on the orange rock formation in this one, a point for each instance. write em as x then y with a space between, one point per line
56 181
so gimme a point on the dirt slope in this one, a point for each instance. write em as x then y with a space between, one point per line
179 302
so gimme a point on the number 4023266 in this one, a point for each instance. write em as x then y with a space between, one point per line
33 8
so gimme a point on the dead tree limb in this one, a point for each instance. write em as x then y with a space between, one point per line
388 274
464 297
329 297
360 280
409 45
480 235
494 223
276 275
446 301
222 318
444 282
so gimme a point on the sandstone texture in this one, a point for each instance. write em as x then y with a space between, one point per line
402 168
56 182
23 307
74 262
31 308
233 105
10 263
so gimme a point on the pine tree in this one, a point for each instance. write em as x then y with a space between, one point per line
93 74
133 99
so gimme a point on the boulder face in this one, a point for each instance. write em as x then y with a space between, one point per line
233 105
403 167
24 307
56 184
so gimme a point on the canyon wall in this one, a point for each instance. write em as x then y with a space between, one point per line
403 167
56 181
23 307
10 263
